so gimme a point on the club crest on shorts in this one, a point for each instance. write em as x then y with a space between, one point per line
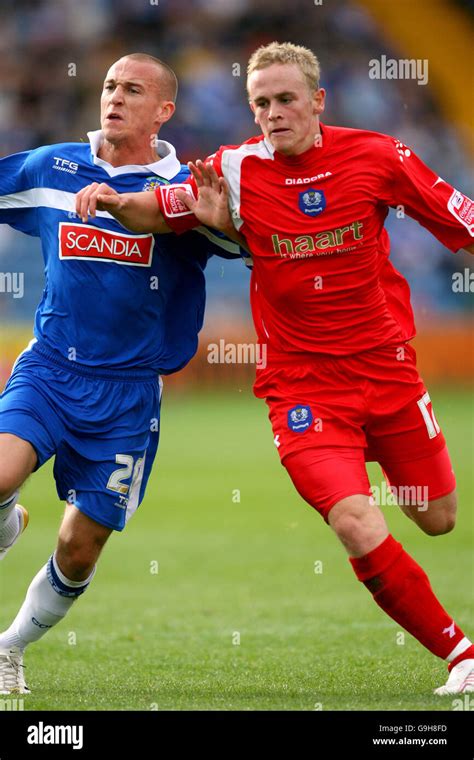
312 202
300 418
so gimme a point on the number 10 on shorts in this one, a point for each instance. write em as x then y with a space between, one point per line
428 415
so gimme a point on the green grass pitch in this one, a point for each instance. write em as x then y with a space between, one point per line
236 618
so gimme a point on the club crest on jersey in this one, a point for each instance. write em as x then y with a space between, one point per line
300 418
312 202
151 183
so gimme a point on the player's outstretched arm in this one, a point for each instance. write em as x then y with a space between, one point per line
212 204
138 212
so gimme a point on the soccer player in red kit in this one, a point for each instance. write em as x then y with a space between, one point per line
309 201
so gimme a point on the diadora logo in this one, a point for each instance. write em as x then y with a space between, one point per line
83 241
64 165
450 630
306 180
302 246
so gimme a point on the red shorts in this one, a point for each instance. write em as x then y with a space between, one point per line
330 415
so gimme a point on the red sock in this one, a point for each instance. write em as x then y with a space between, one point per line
402 589
468 654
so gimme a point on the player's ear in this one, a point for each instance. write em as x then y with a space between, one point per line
252 108
319 99
165 111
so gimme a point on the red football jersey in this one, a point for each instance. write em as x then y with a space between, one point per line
322 280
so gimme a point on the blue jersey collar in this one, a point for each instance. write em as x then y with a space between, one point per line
167 167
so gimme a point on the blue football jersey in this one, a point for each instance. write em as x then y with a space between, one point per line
112 298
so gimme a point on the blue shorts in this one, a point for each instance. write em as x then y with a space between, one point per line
102 425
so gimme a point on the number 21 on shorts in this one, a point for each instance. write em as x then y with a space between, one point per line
116 479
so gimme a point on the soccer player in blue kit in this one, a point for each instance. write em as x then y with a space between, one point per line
119 310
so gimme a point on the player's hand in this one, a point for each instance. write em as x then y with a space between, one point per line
97 197
212 204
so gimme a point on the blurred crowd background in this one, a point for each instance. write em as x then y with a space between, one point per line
206 41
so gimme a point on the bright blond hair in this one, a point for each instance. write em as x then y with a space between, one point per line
286 52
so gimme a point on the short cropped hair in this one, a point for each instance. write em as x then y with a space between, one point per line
169 80
286 52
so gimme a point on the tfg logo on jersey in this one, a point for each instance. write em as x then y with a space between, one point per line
64 165
312 202
83 241
300 418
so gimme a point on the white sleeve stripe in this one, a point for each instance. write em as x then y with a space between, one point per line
227 245
44 197
231 164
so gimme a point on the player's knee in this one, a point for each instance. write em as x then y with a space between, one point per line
347 523
357 524
353 530
440 517
11 479
440 526
17 461
80 542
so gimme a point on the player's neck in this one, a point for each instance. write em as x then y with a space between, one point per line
124 154
312 145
